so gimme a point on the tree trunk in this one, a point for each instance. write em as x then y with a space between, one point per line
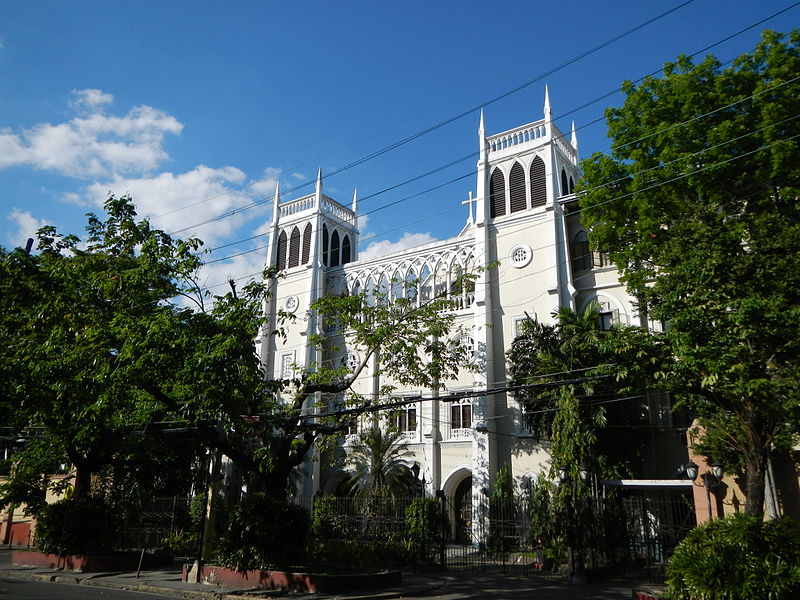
756 455
83 480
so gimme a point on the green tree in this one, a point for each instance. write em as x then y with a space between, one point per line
574 374
68 315
379 465
697 205
101 348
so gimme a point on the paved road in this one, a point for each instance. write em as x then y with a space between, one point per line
471 587
16 589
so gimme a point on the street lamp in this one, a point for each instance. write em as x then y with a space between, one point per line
711 479
415 471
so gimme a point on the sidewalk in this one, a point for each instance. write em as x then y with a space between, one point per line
167 582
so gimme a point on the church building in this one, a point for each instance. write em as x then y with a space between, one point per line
522 216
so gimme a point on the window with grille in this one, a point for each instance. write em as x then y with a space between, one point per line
467 344
404 419
287 360
460 417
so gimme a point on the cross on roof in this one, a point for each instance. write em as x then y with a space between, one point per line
471 201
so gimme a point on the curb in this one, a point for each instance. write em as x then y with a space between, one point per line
98 580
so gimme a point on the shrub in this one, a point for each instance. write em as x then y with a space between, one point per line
424 525
76 526
329 519
264 532
737 558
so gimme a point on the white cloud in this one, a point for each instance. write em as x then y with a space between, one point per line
92 144
90 99
27 225
174 202
265 186
409 240
242 268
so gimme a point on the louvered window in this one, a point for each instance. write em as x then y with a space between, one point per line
325 245
335 248
571 185
346 250
306 244
564 183
538 183
294 248
497 193
280 262
516 188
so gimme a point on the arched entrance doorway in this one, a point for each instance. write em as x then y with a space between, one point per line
462 509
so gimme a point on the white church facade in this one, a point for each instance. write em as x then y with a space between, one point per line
522 218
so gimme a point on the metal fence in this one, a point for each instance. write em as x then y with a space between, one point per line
153 522
630 536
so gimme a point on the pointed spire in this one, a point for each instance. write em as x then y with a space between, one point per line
319 181
574 138
275 211
355 201
482 146
548 113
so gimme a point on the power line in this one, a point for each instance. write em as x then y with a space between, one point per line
439 125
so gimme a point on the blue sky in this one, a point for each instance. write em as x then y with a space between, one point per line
196 108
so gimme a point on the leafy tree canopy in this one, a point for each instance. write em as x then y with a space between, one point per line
101 351
697 205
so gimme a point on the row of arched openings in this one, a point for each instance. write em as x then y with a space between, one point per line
517 188
294 257
336 250
423 281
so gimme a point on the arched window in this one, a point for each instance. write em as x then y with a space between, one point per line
280 262
411 285
397 286
516 188
294 248
579 251
497 193
346 250
571 185
306 244
425 284
325 245
383 289
335 248
564 183
538 183
440 280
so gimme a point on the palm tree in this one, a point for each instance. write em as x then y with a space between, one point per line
379 465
